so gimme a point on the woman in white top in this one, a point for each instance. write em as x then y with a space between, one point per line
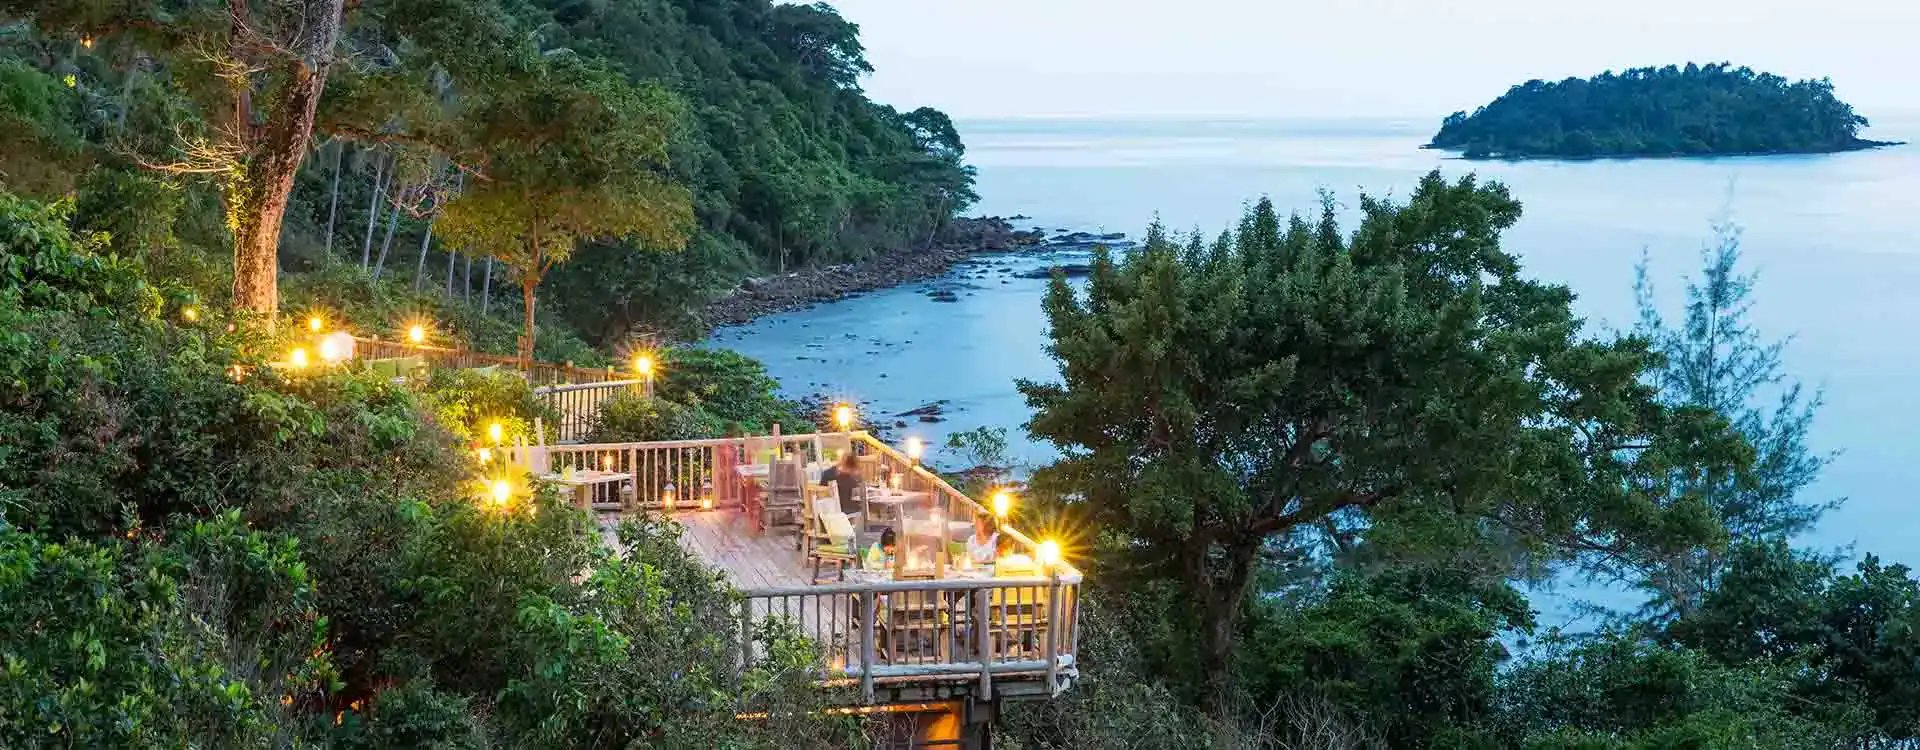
984 545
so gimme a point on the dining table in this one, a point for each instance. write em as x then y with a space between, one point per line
894 502
583 481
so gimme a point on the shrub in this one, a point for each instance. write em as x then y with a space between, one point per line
732 387
636 418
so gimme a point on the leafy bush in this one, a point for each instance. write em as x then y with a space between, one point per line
636 418
206 638
464 402
732 387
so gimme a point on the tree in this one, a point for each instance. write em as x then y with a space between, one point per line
574 154
1285 389
1714 359
257 71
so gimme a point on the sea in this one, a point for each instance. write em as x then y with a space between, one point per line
1835 240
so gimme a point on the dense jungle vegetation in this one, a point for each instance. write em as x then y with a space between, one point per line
1698 110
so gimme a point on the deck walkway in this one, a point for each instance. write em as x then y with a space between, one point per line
722 538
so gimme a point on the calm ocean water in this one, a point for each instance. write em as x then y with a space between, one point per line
1836 239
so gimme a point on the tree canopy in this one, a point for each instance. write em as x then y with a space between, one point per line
1697 110
1286 392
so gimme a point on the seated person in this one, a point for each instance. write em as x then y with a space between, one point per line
984 545
845 476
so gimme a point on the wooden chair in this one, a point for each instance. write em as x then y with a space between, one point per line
786 493
830 538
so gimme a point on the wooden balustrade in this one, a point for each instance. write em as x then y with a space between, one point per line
537 373
579 405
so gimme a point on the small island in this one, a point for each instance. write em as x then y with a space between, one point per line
1710 110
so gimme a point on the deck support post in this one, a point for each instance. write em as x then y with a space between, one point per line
869 609
983 642
1053 630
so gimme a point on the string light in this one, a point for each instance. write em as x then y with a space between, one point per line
502 492
316 324
843 416
915 448
189 313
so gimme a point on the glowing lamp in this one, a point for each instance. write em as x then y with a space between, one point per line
706 502
316 323
606 463
501 491
485 455
336 347
297 358
1049 553
843 416
189 313
496 432
1002 504
666 495
417 333
915 448
643 364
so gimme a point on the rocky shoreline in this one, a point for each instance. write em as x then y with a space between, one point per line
758 297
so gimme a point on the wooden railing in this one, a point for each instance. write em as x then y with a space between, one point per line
579 405
971 631
537 373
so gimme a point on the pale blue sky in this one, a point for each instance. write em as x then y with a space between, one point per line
1419 58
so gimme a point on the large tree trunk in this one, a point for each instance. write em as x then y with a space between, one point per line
279 147
1220 586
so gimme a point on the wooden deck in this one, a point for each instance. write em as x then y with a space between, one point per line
723 538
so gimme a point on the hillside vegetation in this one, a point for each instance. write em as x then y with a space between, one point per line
1671 111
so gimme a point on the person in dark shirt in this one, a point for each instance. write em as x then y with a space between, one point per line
845 476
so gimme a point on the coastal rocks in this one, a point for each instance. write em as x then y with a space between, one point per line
1069 270
934 411
962 239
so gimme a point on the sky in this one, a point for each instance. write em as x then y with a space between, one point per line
1338 58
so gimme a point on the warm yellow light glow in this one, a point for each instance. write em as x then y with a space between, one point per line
189 313
496 432
316 323
501 491
485 455
336 347
1002 504
843 416
666 495
706 502
417 333
915 448
297 358
1049 553
643 364
606 463
87 42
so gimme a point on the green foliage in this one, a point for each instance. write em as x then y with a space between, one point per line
40 144
574 154
189 640
1409 653
731 387
1622 692
634 417
278 560
465 402
1670 111
1283 391
1713 359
